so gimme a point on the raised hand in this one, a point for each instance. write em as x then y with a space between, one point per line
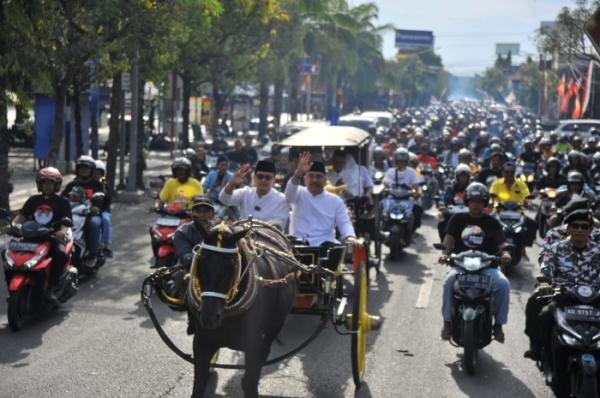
239 177
303 164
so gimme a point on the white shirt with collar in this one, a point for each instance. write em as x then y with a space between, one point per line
315 217
271 207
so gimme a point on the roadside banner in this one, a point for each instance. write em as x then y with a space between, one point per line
408 40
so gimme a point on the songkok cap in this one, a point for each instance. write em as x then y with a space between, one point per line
265 166
579 215
317 167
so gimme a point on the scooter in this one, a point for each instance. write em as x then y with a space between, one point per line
171 216
397 219
511 218
570 364
27 265
472 313
81 213
546 210
429 187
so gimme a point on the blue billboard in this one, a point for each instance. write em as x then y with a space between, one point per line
407 40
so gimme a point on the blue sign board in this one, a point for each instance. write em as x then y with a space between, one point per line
413 39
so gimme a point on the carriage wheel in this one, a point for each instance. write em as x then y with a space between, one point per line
360 325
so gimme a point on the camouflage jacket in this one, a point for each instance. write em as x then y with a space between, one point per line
563 261
559 233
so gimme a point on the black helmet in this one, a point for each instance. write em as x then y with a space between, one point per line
472 236
379 153
575 155
476 190
85 161
464 153
181 163
553 160
575 177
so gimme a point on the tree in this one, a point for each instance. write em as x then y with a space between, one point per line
532 82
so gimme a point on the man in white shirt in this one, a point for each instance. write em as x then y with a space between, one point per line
315 212
405 178
262 202
347 172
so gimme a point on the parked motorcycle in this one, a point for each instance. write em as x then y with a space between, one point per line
570 364
397 219
472 313
171 216
27 264
511 218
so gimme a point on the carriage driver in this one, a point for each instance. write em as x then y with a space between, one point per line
315 212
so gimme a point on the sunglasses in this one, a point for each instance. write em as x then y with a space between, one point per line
581 226
266 177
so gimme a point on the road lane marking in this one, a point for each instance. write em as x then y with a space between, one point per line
425 290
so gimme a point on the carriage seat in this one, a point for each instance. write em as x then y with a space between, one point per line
328 256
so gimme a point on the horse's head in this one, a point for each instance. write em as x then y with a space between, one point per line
218 270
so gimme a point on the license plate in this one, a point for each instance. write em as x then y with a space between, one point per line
473 281
582 314
18 246
168 221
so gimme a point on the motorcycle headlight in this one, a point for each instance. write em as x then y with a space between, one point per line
32 262
562 323
518 228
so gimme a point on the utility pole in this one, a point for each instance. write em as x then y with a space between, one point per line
125 86
131 182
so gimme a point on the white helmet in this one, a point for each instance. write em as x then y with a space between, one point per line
462 169
100 166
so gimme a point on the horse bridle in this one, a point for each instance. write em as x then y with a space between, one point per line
231 293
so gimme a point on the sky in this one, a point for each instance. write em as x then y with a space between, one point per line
466 30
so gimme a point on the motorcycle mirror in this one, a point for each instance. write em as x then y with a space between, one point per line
67 222
439 246
154 194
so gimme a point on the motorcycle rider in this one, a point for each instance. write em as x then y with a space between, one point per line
48 208
595 171
380 162
553 178
181 187
575 186
262 201
574 259
508 188
477 198
466 157
219 145
404 175
462 179
451 155
577 162
187 235
529 154
494 170
84 177
105 214
545 146
217 179
562 147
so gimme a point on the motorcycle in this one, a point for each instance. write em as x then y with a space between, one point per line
171 216
447 211
570 364
81 213
546 210
27 264
397 219
472 312
511 218
429 187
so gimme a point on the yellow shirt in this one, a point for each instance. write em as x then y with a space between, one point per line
474 168
173 191
517 192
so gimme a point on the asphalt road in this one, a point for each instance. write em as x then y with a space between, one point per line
102 344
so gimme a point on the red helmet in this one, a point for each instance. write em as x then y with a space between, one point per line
49 173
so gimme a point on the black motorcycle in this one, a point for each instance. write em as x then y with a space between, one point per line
472 312
570 363
511 218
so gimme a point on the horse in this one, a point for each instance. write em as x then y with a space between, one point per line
237 299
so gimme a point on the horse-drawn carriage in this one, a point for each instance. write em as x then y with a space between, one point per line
365 214
266 268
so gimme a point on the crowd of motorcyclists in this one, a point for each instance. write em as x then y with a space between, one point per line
480 165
